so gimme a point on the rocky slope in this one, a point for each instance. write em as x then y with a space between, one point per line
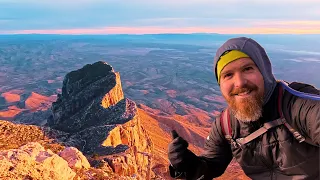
31 152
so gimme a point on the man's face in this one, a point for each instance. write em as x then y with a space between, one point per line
242 85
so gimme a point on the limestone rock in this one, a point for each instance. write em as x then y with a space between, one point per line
32 161
74 158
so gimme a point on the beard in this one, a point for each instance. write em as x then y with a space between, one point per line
246 109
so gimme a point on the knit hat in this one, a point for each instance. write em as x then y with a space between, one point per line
228 57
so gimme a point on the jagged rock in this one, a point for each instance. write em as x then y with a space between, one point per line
100 121
123 129
74 158
125 163
128 142
32 161
86 96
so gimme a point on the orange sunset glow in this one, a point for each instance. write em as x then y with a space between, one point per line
284 28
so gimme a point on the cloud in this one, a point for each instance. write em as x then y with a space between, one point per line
287 23
313 60
230 22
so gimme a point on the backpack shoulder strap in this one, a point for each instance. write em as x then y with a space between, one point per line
225 123
226 128
294 132
266 126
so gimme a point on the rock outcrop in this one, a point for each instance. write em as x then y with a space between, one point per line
27 152
101 122
75 158
32 161
86 96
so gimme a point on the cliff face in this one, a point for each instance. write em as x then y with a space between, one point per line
101 122
114 95
86 96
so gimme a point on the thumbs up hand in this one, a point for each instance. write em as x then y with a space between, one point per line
178 152
174 134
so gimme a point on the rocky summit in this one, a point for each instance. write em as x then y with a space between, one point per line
91 115
100 121
89 98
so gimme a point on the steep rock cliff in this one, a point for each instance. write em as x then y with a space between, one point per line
86 96
101 122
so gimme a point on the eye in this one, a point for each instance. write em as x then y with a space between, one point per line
248 68
228 75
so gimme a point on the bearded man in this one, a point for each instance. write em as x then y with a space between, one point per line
271 128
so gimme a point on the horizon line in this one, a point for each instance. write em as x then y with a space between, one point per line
165 30
113 34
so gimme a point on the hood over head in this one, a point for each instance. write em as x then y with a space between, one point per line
257 53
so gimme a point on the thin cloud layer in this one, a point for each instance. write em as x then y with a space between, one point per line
202 15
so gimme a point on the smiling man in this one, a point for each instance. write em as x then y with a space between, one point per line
271 128
241 85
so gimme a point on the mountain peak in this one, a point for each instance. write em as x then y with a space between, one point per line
87 94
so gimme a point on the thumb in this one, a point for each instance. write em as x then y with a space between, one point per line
174 134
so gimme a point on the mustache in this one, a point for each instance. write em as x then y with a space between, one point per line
247 87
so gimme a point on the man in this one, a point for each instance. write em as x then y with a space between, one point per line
271 132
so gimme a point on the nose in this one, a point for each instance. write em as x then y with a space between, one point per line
239 80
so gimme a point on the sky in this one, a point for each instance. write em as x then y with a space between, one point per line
159 16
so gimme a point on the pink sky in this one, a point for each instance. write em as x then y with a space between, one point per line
283 28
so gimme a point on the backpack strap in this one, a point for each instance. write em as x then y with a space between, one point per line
225 124
291 90
266 126
294 132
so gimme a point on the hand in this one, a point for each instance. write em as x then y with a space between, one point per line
178 152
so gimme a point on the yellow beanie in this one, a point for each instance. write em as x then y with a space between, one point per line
228 57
